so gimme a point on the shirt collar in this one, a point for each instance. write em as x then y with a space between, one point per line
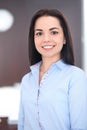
60 64
35 66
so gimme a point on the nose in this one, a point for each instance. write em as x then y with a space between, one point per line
46 38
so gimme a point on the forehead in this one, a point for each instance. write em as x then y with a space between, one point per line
47 21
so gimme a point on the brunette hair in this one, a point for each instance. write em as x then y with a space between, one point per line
67 50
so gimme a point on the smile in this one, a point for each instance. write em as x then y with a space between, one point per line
48 46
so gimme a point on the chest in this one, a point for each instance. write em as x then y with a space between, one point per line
50 92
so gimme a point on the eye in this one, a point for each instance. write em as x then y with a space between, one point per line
38 33
54 32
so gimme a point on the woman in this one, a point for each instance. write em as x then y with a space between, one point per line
54 92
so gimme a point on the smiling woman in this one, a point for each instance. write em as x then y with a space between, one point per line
50 92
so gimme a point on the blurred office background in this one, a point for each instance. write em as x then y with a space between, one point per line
14 44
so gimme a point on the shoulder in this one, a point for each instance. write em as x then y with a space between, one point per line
77 76
25 81
73 70
26 78
78 72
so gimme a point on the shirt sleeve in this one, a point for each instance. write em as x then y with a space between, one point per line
21 115
78 101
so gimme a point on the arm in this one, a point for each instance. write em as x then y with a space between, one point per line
78 101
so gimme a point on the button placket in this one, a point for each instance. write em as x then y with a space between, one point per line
38 113
38 98
44 79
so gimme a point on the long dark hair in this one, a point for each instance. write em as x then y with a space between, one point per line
67 50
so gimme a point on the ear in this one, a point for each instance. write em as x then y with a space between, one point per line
64 41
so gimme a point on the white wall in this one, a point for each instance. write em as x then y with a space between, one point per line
9 102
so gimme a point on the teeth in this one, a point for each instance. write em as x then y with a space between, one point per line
48 47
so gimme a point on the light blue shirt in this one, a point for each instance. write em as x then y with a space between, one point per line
59 102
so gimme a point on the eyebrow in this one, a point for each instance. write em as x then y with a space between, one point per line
38 30
49 29
53 28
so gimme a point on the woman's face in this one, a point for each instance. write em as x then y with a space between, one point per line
49 37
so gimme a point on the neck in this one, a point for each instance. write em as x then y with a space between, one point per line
46 64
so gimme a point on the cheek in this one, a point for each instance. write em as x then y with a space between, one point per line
60 40
59 43
37 41
37 44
